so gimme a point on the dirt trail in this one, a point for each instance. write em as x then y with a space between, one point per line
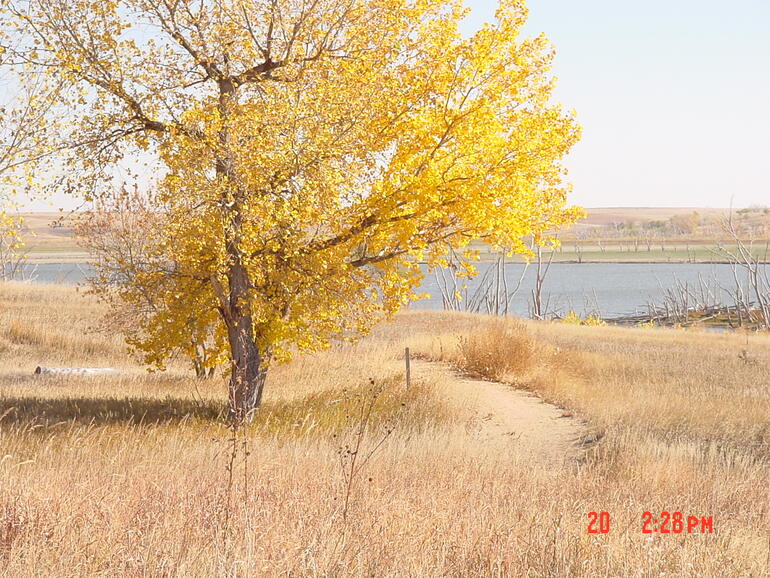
507 416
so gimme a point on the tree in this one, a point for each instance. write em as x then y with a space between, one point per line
312 151
686 224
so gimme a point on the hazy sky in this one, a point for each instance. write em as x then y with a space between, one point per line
673 97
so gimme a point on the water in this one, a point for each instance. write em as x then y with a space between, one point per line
57 273
610 289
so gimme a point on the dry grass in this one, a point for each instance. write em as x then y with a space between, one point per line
496 351
128 475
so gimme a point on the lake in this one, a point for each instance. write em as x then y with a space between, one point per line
611 289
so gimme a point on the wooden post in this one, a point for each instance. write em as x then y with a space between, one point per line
408 368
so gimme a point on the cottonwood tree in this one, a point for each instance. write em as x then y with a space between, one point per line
313 151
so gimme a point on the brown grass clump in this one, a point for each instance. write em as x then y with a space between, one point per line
497 351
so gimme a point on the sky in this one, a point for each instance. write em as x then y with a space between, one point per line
673 97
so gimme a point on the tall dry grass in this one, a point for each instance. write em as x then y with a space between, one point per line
135 475
498 351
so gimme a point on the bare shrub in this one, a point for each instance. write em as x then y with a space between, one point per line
14 255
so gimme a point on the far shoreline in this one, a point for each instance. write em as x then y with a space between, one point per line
80 260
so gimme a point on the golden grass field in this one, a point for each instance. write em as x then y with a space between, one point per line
136 474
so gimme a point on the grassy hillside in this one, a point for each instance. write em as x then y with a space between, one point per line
135 474
49 237
608 215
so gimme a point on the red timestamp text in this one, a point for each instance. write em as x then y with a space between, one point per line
664 523
598 522
677 523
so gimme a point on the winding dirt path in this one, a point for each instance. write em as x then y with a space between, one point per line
501 414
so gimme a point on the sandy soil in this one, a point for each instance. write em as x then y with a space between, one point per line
515 419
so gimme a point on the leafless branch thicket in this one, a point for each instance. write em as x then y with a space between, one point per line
752 297
538 309
685 301
745 302
492 295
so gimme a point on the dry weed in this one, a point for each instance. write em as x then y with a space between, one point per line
497 351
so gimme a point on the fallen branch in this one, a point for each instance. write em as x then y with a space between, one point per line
39 370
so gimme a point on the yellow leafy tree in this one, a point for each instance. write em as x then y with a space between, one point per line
313 151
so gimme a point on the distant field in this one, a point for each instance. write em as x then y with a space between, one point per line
51 229
49 238
666 252
607 215
47 243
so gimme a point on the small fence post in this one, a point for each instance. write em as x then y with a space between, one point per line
408 367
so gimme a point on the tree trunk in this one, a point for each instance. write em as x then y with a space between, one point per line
248 373
248 368
247 362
